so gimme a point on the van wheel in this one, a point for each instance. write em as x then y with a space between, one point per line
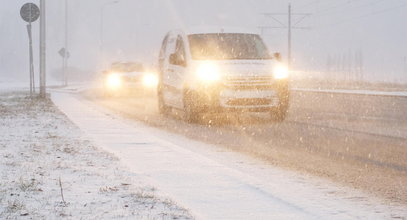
279 113
191 113
163 109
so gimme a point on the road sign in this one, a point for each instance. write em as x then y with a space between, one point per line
63 52
30 12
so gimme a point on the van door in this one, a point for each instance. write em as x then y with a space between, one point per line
161 56
176 71
167 69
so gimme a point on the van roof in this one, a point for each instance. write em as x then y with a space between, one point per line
217 29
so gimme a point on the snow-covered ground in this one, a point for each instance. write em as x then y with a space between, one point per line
48 170
217 184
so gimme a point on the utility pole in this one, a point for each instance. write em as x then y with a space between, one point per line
362 77
65 58
32 79
289 37
42 50
290 26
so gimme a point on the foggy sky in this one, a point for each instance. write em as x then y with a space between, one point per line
340 30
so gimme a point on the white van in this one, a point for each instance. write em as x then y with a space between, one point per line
220 70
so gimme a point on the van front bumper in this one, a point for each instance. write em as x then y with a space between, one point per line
246 100
251 100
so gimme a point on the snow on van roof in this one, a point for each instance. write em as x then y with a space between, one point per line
217 29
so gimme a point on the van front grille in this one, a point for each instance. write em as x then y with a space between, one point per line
249 102
249 82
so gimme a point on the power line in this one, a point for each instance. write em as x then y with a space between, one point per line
282 25
368 15
327 11
307 5
384 10
335 6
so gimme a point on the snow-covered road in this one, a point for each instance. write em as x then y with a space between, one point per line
214 183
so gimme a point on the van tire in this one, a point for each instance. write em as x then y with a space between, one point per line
191 112
279 113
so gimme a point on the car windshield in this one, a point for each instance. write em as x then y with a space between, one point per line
127 67
230 46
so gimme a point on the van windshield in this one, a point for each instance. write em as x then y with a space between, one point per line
227 46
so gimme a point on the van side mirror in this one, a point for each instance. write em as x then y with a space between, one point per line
277 56
175 59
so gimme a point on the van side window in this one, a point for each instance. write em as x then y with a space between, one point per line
162 54
179 48
170 49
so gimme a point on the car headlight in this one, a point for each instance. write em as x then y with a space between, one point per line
114 81
150 80
280 72
208 72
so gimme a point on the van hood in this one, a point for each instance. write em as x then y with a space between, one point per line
243 68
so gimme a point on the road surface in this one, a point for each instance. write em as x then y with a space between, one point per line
357 140
214 181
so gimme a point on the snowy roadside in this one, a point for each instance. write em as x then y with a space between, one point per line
48 170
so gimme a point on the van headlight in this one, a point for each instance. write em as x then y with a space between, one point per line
114 81
280 72
150 80
208 72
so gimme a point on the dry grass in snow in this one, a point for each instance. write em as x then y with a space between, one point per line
48 170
